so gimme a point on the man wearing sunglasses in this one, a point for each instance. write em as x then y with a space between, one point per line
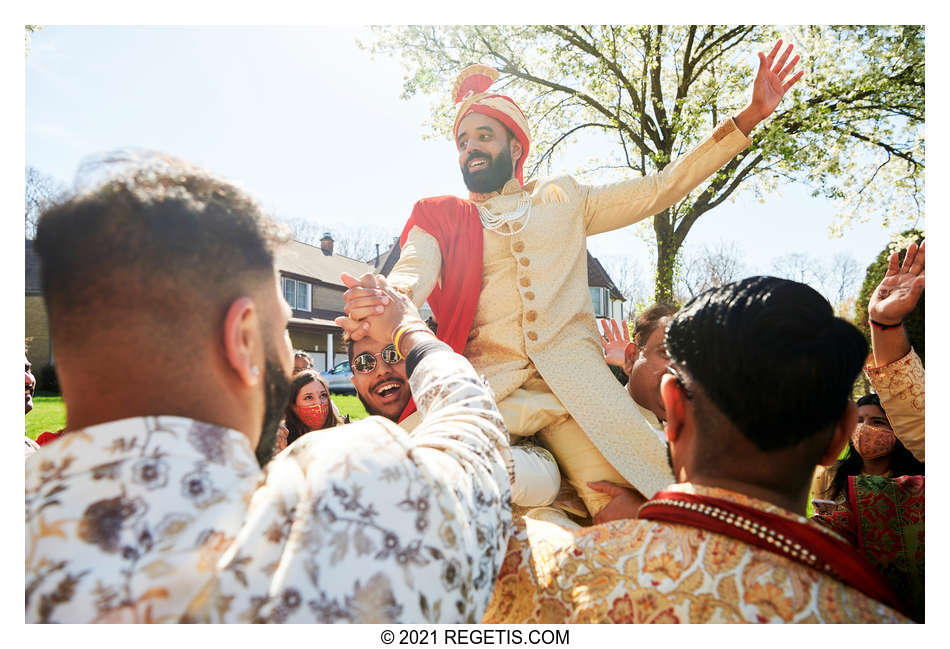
379 376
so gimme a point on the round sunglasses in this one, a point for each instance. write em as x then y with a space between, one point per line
366 362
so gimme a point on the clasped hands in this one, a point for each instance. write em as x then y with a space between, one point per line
373 308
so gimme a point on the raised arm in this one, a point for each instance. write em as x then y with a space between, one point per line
620 204
897 374
368 523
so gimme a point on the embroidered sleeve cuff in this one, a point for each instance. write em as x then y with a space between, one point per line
728 129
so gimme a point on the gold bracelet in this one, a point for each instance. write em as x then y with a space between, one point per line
403 330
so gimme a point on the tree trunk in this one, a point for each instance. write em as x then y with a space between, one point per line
666 247
665 259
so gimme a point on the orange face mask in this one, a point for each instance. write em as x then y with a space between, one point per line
314 416
872 442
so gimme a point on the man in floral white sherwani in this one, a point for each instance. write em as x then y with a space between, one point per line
152 506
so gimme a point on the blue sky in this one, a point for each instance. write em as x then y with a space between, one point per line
312 126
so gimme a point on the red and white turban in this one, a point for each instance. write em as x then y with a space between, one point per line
470 91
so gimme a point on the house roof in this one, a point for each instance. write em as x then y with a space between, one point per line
309 261
597 276
388 259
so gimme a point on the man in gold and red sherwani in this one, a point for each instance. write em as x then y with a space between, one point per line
757 393
505 273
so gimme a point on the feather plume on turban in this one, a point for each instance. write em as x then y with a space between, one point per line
470 91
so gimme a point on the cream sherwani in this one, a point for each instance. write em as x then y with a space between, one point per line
534 336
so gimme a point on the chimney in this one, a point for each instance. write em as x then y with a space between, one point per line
326 244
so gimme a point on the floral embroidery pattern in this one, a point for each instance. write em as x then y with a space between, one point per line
167 519
112 536
640 571
902 390
377 525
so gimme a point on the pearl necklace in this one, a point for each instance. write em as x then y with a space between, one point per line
494 222
778 540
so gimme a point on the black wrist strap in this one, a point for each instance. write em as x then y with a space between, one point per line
421 350
884 327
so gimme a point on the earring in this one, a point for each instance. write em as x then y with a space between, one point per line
254 370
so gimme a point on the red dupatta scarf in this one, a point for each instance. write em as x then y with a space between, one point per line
794 540
455 224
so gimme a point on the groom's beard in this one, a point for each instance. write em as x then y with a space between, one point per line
491 178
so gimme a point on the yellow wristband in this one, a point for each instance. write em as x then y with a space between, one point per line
401 331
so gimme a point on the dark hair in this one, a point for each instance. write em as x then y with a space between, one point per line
647 322
295 427
870 399
159 240
771 356
900 461
304 355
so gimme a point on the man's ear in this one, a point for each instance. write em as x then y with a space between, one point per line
516 150
353 380
674 402
843 430
630 353
241 336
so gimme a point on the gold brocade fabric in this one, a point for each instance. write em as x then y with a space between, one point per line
642 571
900 385
535 319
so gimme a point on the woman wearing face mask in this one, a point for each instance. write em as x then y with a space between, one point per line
875 499
873 450
876 494
308 409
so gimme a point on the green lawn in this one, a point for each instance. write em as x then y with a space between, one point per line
49 412
349 404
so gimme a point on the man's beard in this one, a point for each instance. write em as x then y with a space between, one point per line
276 395
493 177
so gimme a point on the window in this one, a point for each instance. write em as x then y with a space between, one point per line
599 298
296 293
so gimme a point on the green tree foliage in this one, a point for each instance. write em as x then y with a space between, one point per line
914 322
852 129
28 31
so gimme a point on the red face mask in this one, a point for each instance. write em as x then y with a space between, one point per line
872 442
315 416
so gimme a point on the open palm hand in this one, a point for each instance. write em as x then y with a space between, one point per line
613 342
770 84
899 291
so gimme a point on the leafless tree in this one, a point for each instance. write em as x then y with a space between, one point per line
629 278
709 267
838 279
349 241
799 267
42 190
843 279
